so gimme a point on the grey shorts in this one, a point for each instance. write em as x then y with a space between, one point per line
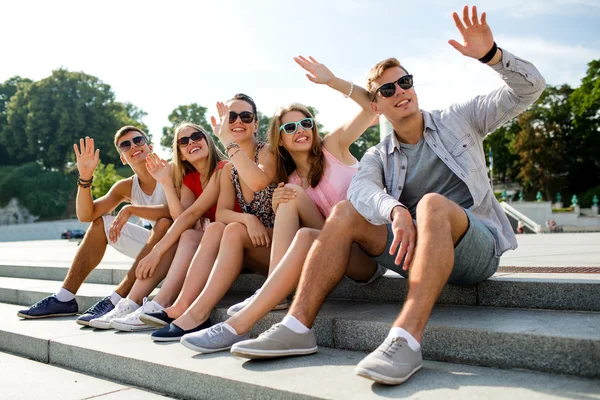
474 256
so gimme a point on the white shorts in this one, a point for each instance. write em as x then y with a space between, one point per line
132 239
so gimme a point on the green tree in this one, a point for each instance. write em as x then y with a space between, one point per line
186 113
584 162
506 162
105 176
542 141
45 118
367 140
264 122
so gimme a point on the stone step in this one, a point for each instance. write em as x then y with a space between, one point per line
546 291
544 340
59 383
169 368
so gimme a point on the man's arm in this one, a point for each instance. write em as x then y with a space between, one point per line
524 83
367 190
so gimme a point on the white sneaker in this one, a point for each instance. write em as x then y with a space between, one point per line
131 322
234 309
123 307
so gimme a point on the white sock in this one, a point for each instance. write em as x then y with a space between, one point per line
64 295
114 298
412 342
229 328
132 303
293 324
157 305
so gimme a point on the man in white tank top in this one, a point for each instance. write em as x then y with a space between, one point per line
147 200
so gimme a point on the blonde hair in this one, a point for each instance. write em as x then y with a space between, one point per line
126 129
285 163
377 71
181 167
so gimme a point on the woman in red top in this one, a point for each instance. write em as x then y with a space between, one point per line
193 177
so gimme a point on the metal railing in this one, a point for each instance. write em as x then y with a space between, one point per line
516 214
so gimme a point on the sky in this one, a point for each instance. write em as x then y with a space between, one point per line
159 55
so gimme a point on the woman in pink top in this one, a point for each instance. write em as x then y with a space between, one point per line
318 172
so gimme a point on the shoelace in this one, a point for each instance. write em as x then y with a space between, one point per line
391 348
43 302
215 330
271 329
136 314
100 306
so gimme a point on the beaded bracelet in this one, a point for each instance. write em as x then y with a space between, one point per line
351 90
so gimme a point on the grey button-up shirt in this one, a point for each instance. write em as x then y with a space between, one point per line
456 136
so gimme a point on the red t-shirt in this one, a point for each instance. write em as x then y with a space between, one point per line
192 181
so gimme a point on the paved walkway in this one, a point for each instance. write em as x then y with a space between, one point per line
549 250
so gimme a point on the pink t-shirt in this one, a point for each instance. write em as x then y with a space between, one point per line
333 186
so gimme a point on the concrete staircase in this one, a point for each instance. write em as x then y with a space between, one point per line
515 336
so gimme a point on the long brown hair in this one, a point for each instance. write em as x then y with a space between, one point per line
181 167
285 163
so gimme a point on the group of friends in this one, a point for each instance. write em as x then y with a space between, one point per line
303 211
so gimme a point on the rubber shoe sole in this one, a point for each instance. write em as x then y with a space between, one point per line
82 323
200 349
166 339
25 316
263 354
119 326
154 322
100 324
386 380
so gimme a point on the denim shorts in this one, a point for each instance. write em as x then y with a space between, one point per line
474 256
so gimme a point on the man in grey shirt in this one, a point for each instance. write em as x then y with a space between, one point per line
426 183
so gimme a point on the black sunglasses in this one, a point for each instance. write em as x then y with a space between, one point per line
125 145
388 89
246 116
194 137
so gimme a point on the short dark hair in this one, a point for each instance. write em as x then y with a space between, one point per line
126 129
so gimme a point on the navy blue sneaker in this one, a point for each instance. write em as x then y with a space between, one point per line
172 333
156 319
50 307
96 311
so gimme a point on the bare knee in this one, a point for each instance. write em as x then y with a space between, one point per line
162 226
96 225
189 236
307 235
234 232
344 216
215 228
433 207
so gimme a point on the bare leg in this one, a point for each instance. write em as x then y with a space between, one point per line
143 287
188 244
440 225
280 283
158 231
200 268
235 249
328 258
88 256
289 217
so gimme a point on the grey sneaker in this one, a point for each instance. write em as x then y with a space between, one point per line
216 338
278 341
392 363
234 309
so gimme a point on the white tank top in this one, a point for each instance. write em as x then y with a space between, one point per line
139 198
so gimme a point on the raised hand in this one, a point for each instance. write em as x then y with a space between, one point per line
159 169
87 158
221 126
477 35
317 72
